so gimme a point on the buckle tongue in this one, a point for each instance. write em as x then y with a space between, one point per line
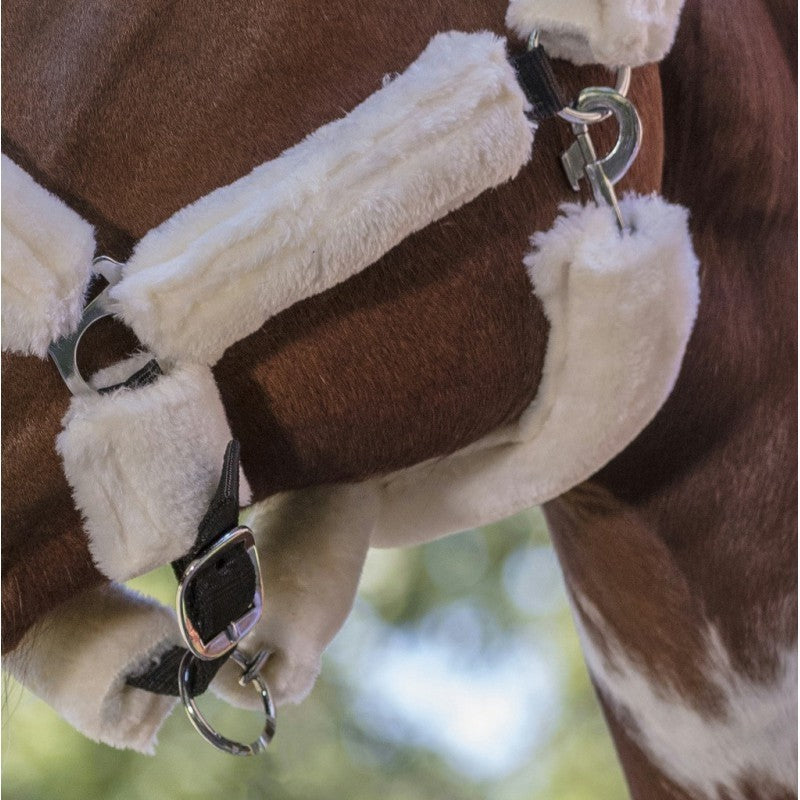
226 640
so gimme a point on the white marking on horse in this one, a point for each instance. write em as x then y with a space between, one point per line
754 736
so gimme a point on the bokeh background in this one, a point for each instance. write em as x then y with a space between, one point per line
457 677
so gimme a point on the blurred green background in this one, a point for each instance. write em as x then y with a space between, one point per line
457 677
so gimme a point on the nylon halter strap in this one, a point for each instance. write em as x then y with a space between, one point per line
219 601
220 591
219 598
220 594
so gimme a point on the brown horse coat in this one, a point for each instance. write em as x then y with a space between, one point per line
301 393
699 509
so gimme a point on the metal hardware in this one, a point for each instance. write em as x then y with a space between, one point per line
225 641
574 113
202 726
64 351
253 667
580 159
110 269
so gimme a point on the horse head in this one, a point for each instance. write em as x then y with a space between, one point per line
457 377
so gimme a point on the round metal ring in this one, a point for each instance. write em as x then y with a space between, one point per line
570 114
623 84
202 726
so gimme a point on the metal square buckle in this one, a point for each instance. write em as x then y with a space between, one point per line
225 641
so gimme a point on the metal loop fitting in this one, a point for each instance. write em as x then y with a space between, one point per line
575 113
225 641
64 351
580 159
202 726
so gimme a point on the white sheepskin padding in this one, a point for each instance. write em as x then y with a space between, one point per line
312 544
610 32
621 309
143 465
47 262
451 126
79 656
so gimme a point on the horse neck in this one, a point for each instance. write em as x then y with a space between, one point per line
126 148
680 556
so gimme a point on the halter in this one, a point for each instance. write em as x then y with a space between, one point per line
518 89
579 161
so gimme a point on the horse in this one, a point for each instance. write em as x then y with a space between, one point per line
679 555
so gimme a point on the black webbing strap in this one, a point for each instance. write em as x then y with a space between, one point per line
147 374
535 75
219 593
162 678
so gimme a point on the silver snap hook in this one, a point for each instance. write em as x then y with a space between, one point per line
580 159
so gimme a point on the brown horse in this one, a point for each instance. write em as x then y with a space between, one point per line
680 555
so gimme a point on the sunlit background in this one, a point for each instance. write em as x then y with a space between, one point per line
457 676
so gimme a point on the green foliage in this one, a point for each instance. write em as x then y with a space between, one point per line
480 598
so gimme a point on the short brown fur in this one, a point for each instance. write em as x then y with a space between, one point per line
442 341
434 346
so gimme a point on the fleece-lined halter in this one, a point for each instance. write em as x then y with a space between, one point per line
143 461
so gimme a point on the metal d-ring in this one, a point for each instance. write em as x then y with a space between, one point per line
581 117
64 351
202 726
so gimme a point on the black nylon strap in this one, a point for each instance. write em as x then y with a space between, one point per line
219 593
223 512
162 677
535 75
149 373
222 591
